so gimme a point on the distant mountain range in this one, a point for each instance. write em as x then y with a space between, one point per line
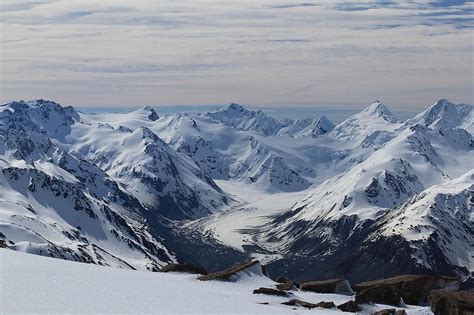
136 190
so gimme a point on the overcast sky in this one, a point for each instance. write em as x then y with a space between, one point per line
261 53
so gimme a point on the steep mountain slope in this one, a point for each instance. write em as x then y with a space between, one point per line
341 219
54 204
439 219
445 115
149 169
225 152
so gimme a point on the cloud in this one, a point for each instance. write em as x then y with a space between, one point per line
293 5
255 52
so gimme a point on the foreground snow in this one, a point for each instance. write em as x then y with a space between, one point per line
30 283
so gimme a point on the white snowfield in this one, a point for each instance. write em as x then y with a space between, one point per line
36 284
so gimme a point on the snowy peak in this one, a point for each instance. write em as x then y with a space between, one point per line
235 107
47 116
152 115
378 110
306 127
376 117
323 124
237 116
446 115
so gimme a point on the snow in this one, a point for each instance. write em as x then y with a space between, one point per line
255 208
229 174
35 284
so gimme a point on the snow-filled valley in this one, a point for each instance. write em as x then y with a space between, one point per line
310 199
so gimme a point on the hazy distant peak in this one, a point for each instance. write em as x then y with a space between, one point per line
150 111
378 109
444 114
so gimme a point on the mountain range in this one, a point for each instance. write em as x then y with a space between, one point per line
371 197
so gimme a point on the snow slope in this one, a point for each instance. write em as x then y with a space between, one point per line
33 284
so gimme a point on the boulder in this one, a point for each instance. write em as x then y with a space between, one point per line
452 303
381 294
390 311
227 274
282 280
324 304
340 286
287 286
270 291
349 306
184 268
414 289
296 302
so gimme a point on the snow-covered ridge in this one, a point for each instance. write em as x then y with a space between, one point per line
446 115
237 116
410 174
125 177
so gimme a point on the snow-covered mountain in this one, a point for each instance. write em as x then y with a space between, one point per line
238 117
137 189
445 115
354 207
54 204
226 150
87 192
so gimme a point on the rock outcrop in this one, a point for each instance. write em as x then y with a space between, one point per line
381 294
187 268
270 291
413 289
452 303
349 306
340 286
253 266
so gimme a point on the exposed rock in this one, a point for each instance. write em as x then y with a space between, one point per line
282 280
452 303
349 306
270 291
189 268
229 272
467 284
296 302
414 289
287 286
390 311
324 304
382 294
340 286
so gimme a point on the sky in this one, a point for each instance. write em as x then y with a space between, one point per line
270 53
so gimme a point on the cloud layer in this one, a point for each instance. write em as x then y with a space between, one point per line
287 53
